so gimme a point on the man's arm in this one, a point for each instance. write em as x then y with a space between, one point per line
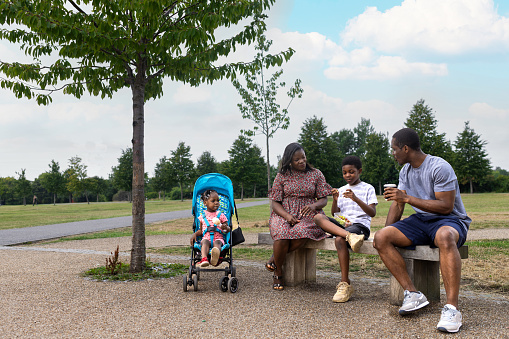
395 213
443 203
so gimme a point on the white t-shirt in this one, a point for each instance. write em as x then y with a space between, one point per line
350 209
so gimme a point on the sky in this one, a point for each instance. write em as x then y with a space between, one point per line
356 59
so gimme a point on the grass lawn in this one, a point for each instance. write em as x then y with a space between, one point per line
17 216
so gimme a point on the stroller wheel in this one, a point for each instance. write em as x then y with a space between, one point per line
184 285
233 285
195 282
223 284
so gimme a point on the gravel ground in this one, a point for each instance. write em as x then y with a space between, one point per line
44 296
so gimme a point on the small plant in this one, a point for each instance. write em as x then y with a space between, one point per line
152 271
113 264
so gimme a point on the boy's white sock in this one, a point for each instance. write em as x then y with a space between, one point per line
451 306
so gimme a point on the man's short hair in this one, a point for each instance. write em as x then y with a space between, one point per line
352 160
408 137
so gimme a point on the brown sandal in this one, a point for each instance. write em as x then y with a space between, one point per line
270 266
277 286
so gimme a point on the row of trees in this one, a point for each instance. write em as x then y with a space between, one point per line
175 174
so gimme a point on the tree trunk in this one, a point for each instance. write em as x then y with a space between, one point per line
254 191
181 192
268 165
138 251
54 199
471 186
86 196
241 191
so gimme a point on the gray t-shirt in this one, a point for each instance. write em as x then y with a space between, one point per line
434 175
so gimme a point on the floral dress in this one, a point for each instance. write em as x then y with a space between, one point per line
294 190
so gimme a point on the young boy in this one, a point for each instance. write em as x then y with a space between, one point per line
356 204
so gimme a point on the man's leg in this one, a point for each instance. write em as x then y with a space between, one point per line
446 240
385 242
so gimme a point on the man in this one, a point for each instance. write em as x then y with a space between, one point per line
429 185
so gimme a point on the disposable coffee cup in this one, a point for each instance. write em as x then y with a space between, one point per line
390 185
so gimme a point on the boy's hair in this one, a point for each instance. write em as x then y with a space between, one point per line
352 160
288 155
408 137
206 195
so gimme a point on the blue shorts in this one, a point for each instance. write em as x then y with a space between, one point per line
421 229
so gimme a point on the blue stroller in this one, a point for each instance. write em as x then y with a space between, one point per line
224 187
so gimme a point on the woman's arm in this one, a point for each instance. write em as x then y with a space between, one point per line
312 208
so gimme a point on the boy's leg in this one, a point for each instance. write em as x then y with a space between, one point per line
328 226
343 258
344 289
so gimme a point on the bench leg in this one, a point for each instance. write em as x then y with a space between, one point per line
425 276
299 267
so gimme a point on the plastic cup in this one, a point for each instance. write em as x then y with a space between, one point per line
390 186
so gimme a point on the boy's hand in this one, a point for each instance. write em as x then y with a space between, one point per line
335 194
349 194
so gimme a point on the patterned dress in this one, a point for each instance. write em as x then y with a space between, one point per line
294 190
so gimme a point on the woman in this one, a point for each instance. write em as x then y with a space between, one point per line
299 192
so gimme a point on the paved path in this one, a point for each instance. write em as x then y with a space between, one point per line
23 235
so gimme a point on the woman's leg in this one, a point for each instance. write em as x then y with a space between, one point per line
280 248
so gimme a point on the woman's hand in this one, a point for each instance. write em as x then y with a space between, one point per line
292 220
308 210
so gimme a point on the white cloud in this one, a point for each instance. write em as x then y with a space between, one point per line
448 27
315 50
483 110
385 67
186 94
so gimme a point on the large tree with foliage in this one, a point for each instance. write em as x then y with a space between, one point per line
122 174
163 178
377 163
245 165
471 162
105 46
362 131
23 187
321 150
422 119
206 163
76 174
182 166
259 96
53 181
345 141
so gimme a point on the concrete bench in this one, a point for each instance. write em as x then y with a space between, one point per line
423 265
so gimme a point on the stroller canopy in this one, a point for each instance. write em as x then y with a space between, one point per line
214 181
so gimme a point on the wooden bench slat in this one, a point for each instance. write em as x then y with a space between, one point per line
420 253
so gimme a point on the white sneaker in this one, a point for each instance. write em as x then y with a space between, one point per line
412 302
450 321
